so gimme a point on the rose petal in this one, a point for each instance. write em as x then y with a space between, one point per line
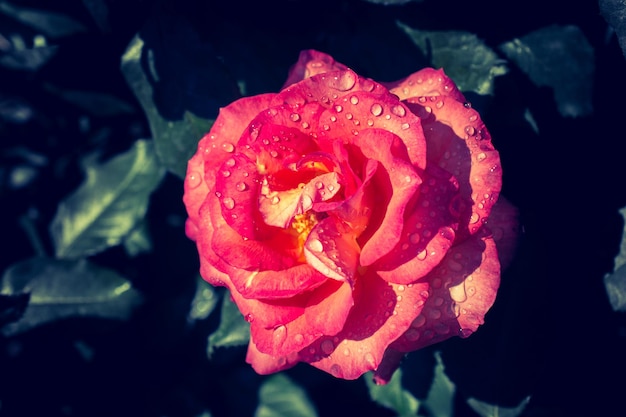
265 364
331 248
381 313
504 225
428 233
310 63
325 312
459 142
424 83
462 289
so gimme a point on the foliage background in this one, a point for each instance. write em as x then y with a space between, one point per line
127 333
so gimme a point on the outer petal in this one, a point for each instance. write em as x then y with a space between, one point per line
265 364
462 289
311 62
424 83
459 142
504 224
381 313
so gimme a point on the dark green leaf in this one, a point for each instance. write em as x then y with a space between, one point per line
614 12
470 63
393 395
180 83
615 283
12 307
233 330
559 57
440 399
138 241
279 396
492 410
108 205
30 59
49 23
204 301
100 13
97 103
61 289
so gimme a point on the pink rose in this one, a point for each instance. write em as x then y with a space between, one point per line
349 219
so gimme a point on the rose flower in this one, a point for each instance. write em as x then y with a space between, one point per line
349 219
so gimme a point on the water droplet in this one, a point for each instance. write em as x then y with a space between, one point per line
294 117
333 119
441 328
412 334
326 127
473 117
439 104
404 126
369 359
376 109
370 122
275 200
419 321
367 84
194 179
471 291
305 125
354 100
414 238
336 371
428 109
230 162
339 109
273 154
327 346
400 288
345 81
280 335
272 112
422 255
398 110
241 186
249 318
474 218
298 338
454 265
470 130
346 352
434 314
315 245
228 202
349 116
228 147
481 156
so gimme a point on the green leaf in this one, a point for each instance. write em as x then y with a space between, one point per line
440 399
61 289
204 301
466 59
492 410
233 330
279 396
97 103
108 205
180 83
614 12
138 241
559 57
393 395
49 23
615 283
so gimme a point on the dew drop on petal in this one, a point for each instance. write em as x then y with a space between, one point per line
241 186
228 147
470 130
474 218
481 156
414 238
336 371
298 338
398 110
194 179
412 334
280 335
230 162
305 125
275 200
370 122
404 126
354 100
376 109
294 117
422 255
327 346
419 321
457 293
339 109
228 202
369 359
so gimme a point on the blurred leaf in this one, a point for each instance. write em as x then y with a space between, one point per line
30 59
96 103
61 289
15 109
49 23
108 205
204 301
393 395
615 283
12 307
138 241
100 13
559 57
440 399
614 12
180 83
279 396
492 410
464 58
233 330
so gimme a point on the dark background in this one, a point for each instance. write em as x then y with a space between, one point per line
551 334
